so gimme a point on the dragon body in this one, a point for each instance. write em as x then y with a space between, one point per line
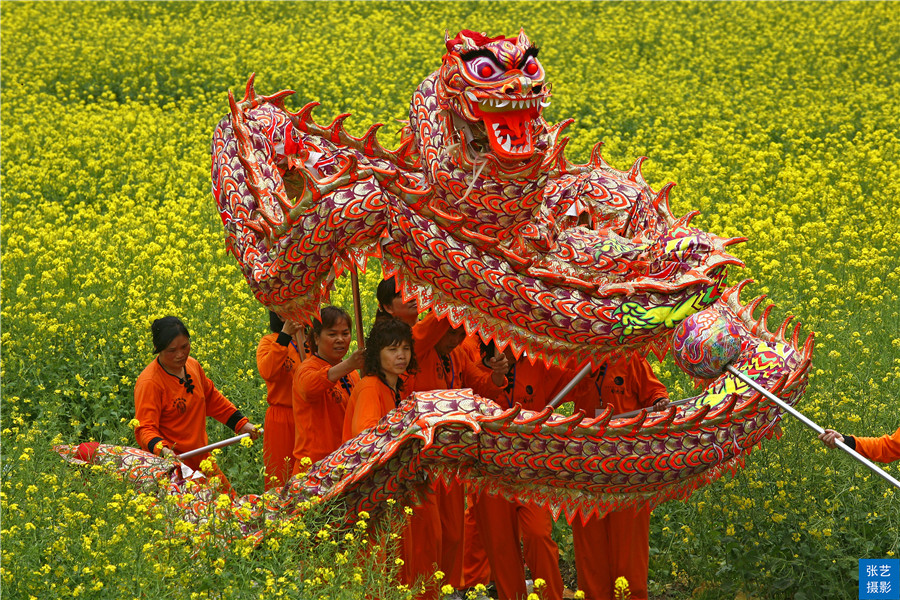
480 217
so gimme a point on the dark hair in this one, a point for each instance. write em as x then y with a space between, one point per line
385 294
276 323
329 317
165 330
384 333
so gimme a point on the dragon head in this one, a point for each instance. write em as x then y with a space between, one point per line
494 88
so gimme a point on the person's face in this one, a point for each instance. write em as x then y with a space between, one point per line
451 340
405 311
395 358
175 355
333 342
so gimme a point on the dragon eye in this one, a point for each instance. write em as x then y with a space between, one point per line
532 67
484 68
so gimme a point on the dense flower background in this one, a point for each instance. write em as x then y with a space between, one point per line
777 120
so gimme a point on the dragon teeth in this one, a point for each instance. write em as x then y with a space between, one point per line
545 104
471 96
496 127
507 144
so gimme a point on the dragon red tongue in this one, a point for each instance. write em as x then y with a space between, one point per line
514 126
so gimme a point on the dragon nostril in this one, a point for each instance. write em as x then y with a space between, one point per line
509 89
537 89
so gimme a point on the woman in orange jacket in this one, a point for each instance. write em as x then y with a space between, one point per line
882 449
173 397
322 386
278 357
388 357
618 544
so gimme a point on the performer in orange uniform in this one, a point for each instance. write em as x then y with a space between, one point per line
277 357
173 397
443 366
617 545
391 304
501 522
882 449
322 386
388 356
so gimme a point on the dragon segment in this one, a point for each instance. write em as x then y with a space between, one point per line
476 213
480 216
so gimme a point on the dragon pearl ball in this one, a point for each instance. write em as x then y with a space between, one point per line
705 343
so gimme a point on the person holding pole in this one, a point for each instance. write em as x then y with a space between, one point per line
882 449
278 357
389 357
322 386
173 397
618 544
391 304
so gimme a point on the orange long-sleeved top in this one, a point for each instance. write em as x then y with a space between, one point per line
882 449
533 385
277 360
370 401
627 384
170 416
433 373
319 408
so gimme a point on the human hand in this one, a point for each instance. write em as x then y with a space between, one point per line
251 429
290 327
830 438
499 365
358 359
167 452
660 405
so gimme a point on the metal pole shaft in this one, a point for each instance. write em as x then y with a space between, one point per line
222 444
812 425
557 400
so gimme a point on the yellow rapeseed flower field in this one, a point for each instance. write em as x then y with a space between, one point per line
777 120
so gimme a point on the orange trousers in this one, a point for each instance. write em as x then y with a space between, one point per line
476 567
618 545
451 504
420 547
503 524
278 445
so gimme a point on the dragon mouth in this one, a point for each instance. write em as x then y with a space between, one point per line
509 123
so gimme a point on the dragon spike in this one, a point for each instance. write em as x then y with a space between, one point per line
761 327
634 173
336 128
661 202
731 241
597 160
249 92
570 423
601 421
538 419
370 139
783 328
685 220
304 115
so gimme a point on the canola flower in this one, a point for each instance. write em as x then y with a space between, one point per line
777 121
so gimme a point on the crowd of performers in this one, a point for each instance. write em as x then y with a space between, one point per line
317 401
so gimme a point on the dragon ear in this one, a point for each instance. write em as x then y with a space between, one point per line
467 42
523 41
